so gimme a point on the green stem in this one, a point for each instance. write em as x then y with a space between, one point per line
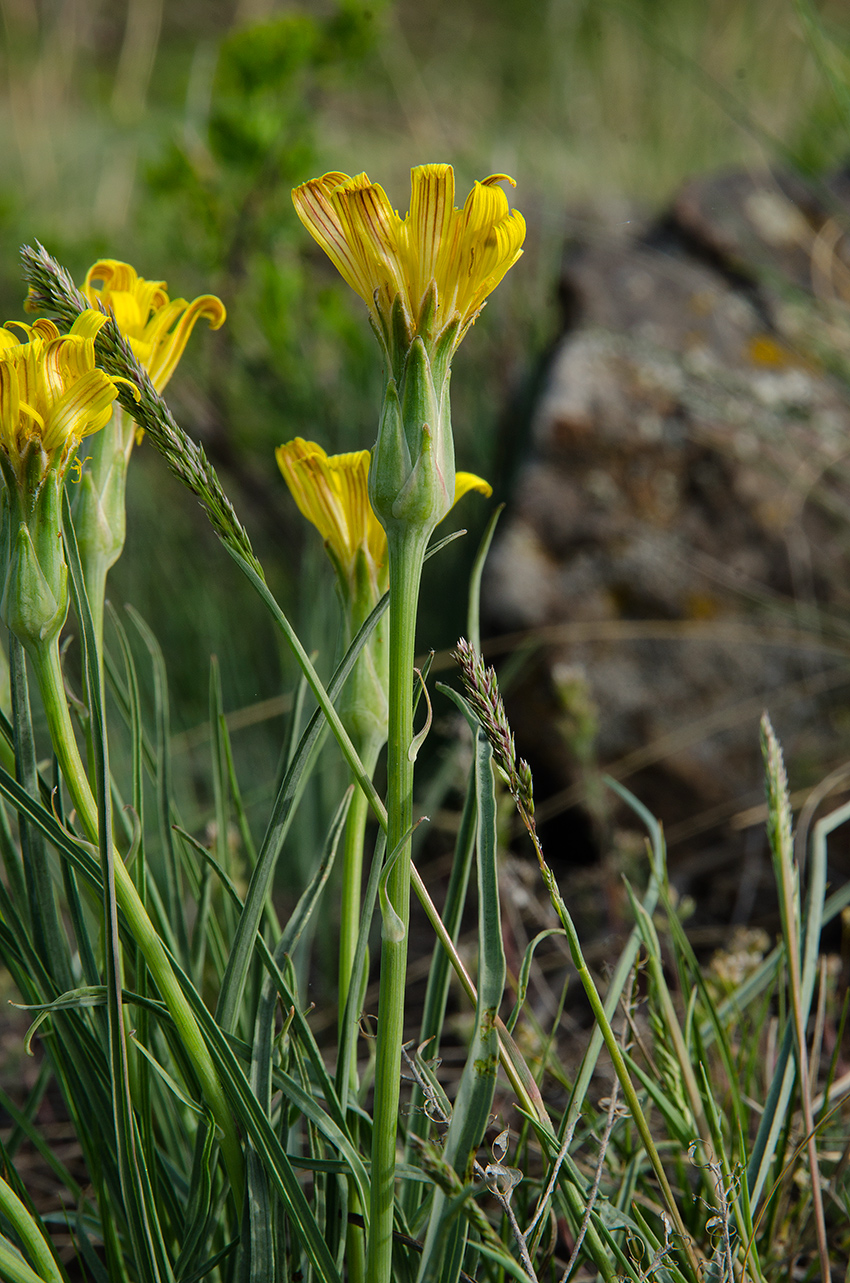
96 569
351 907
48 671
406 555
352 876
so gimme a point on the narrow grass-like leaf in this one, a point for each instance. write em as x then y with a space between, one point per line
239 808
164 790
626 961
91 1262
134 716
669 1017
199 1205
13 1267
694 980
473 609
76 912
571 1184
7 741
47 934
265 1142
24 1117
203 1271
310 1107
525 973
171 1083
287 997
123 698
474 1100
149 1248
350 1024
11 855
437 991
739 1201
143 1102
483 687
257 1256
79 852
773 1119
283 811
32 1235
219 768
324 698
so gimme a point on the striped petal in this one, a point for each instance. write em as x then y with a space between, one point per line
320 215
364 530
50 388
10 407
374 227
83 409
332 492
432 198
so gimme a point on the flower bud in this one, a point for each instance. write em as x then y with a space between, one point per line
99 495
412 477
34 599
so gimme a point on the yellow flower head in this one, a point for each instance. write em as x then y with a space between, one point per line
332 492
439 262
50 390
157 327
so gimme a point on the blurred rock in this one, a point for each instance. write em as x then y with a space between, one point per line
679 534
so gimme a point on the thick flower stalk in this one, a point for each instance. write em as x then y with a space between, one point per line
424 278
331 491
157 329
52 396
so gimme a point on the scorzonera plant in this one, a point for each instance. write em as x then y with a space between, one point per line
220 1139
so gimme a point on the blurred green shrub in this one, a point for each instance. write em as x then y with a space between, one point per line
293 360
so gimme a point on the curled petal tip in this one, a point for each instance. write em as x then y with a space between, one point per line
156 326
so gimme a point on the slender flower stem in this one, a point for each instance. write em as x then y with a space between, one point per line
352 875
406 555
48 671
351 907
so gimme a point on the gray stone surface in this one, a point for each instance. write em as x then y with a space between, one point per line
680 528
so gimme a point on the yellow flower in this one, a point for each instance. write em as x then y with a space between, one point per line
332 492
157 327
50 390
439 262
